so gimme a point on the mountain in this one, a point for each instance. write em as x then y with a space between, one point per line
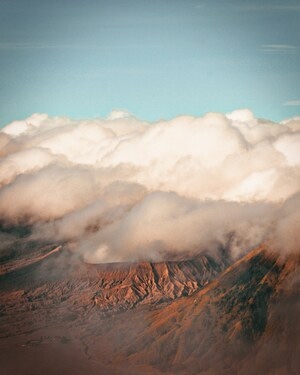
244 322
55 277
198 316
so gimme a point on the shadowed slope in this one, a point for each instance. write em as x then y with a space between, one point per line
56 286
244 321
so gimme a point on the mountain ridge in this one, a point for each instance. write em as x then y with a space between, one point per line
241 318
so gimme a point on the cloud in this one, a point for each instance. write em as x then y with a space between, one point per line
201 5
120 189
269 7
279 48
48 46
292 102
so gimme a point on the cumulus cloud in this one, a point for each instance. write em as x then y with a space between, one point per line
121 189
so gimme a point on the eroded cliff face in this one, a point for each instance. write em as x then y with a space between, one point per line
124 286
243 322
196 316
53 278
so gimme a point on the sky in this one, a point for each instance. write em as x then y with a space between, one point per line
155 59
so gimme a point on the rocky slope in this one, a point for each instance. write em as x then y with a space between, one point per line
244 322
123 286
54 279
185 317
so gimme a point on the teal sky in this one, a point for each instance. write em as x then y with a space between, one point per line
156 59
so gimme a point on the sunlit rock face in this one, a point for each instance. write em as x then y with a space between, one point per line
188 316
55 273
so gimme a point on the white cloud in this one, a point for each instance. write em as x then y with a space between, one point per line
123 189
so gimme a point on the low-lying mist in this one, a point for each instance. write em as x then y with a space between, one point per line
121 189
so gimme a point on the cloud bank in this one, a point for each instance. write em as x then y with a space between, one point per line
120 189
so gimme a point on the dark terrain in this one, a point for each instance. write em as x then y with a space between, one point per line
204 315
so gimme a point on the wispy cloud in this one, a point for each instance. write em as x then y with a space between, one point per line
41 46
279 48
295 102
268 7
200 5
24 46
